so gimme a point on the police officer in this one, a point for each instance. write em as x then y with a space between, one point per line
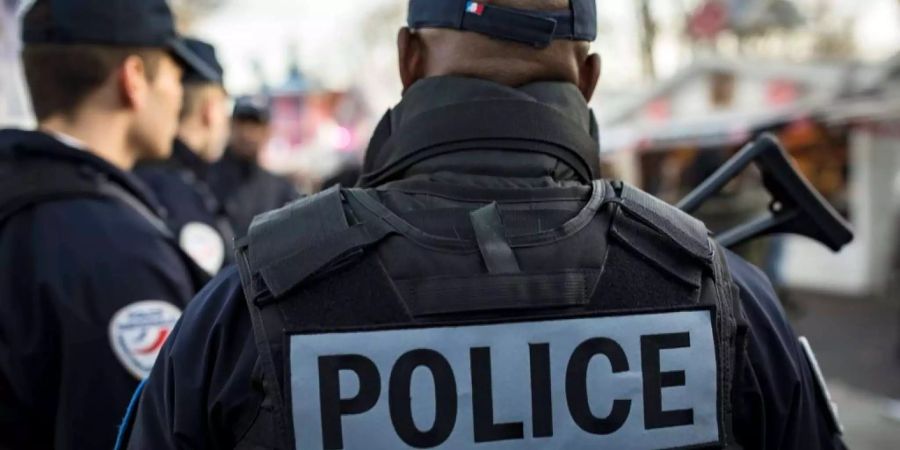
245 188
193 212
482 288
92 281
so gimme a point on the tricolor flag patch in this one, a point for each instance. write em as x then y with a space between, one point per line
475 8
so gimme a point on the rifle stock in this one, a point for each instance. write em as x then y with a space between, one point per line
796 207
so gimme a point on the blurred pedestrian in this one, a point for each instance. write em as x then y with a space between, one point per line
245 188
92 281
180 183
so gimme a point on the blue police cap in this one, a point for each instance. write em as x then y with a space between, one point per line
133 23
536 28
257 108
207 53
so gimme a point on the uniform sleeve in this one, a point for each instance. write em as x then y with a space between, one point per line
29 362
87 306
199 394
777 399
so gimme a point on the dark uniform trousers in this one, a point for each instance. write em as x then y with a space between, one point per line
623 253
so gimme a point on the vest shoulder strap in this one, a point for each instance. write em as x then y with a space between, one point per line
287 246
302 240
679 228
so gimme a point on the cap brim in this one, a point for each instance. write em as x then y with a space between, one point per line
193 62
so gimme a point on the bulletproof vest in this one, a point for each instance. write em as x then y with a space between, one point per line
27 181
611 327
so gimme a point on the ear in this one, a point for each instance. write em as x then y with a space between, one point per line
207 110
411 52
589 75
132 81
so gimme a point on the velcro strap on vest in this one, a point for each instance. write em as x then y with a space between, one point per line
492 243
658 253
290 245
686 232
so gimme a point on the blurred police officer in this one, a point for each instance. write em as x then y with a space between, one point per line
92 280
483 289
245 188
193 212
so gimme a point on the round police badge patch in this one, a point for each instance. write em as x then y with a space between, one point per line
204 245
138 331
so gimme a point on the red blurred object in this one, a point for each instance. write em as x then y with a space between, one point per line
782 92
708 20
659 110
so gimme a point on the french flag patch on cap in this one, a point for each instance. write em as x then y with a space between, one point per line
475 8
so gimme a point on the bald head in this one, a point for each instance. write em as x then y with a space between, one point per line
433 52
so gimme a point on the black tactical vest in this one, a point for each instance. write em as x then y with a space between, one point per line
613 327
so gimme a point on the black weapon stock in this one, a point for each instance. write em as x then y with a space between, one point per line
796 207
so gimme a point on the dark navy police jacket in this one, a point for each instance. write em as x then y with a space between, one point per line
247 190
202 395
193 212
90 287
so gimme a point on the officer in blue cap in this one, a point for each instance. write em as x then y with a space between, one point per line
180 183
483 288
93 281
245 188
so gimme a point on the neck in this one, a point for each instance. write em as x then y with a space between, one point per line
194 139
104 135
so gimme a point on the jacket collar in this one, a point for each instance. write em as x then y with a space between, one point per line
519 157
38 144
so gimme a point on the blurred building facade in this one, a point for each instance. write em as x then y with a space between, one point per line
839 120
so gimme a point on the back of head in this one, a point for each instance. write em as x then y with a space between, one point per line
105 60
204 121
251 126
482 50
72 47
61 77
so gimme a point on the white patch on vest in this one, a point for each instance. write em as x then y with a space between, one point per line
204 245
641 381
138 331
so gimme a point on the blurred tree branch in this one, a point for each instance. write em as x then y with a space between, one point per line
647 38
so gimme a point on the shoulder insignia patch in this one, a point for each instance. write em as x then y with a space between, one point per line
138 331
204 245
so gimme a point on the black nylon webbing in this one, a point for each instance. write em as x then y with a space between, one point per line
452 295
283 275
319 244
687 232
489 232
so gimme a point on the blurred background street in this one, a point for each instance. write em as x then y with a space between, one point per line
858 347
686 83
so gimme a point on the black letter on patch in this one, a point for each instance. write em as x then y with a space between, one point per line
333 406
445 398
655 381
483 402
541 397
576 386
